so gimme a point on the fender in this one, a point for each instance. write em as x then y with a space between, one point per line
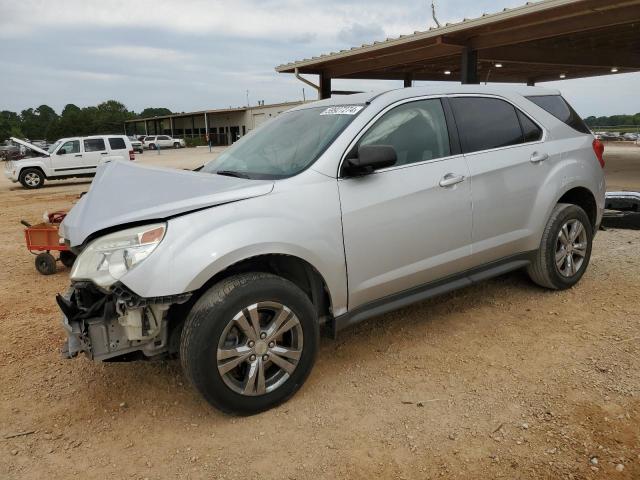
230 233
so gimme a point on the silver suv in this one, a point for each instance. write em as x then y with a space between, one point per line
332 213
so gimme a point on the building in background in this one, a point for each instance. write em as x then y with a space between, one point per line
223 126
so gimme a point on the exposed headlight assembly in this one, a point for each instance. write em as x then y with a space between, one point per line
108 258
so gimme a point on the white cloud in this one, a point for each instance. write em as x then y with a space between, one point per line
142 53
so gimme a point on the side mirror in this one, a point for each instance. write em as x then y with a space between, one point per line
62 151
369 158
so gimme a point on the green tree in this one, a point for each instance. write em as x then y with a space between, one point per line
154 112
110 117
9 125
40 123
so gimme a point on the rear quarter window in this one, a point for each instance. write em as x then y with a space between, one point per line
117 143
559 108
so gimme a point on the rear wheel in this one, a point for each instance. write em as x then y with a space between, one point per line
31 178
46 263
250 342
565 248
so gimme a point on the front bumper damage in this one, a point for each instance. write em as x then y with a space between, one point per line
115 324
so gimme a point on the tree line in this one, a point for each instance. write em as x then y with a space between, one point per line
613 120
43 123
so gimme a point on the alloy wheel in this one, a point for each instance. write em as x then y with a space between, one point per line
260 348
32 179
571 248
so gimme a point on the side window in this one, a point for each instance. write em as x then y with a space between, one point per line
530 131
72 146
559 108
94 145
117 144
486 123
164 137
417 130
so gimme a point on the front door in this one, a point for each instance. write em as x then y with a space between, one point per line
68 159
409 224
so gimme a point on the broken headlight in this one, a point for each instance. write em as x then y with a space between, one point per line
108 258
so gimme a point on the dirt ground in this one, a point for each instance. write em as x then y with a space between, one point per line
499 380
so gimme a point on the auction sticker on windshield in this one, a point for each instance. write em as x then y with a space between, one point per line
343 110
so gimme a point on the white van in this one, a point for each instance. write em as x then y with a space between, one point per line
67 158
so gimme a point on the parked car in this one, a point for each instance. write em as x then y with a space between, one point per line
136 144
67 158
610 136
163 141
334 212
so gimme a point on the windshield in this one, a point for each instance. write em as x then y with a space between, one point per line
285 145
54 146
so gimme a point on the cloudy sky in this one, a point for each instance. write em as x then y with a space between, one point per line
197 54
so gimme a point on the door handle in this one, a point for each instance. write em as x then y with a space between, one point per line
451 179
104 153
78 155
537 157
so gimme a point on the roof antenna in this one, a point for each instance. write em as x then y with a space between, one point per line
433 14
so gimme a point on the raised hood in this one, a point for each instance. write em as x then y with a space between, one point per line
29 145
123 192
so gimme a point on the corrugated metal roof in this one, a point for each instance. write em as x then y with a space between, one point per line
221 110
432 32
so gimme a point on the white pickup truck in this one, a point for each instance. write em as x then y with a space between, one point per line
67 158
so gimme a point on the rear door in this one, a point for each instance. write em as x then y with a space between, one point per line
508 164
164 141
95 152
409 224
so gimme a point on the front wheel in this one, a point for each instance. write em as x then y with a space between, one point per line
176 145
565 248
67 258
250 342
31 178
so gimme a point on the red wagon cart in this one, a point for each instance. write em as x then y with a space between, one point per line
42 239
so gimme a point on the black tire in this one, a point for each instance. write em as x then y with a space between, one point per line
31 178
152 146
543 270
207 321
176 145
67 258
46 263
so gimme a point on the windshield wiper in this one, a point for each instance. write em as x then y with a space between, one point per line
232 173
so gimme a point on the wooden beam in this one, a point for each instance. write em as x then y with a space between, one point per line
593 20
435 50
325 87
564 56
469 66
408 80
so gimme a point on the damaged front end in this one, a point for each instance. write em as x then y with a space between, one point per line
115 324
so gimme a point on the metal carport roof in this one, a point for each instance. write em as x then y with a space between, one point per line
536 42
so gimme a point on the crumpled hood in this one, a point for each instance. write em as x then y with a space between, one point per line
123 192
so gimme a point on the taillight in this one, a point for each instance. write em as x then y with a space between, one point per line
131 155
598 149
